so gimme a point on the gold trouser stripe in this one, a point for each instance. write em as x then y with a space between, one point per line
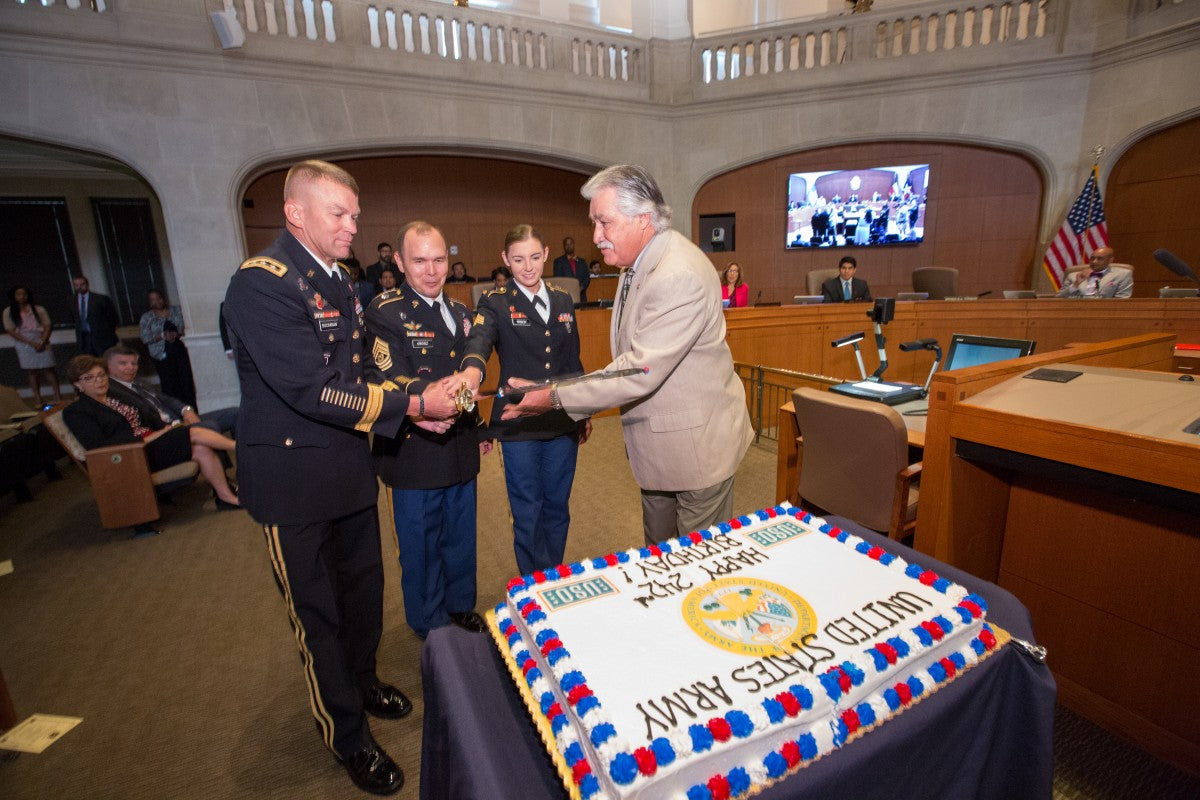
324 720
374 404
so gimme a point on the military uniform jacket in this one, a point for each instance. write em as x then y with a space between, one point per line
411 348
306 406
506 320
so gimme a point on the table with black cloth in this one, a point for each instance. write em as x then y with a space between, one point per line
987 734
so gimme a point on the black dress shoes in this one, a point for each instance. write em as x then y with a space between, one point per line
386 702
373 770
469 620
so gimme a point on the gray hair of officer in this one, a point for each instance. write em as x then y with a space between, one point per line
637 193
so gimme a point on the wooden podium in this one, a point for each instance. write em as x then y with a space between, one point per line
1083 499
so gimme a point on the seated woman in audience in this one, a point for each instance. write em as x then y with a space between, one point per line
98 420
733 288
501 276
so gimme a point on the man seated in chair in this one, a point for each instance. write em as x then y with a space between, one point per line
98 419
122 362
846 288
1103 280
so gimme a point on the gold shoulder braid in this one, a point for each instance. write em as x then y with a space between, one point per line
276 268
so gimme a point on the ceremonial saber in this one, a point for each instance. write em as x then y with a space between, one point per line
514 394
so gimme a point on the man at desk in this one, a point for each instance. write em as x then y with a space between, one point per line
1103 280
846 288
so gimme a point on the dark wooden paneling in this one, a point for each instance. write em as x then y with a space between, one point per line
1151 203
475 201
982 217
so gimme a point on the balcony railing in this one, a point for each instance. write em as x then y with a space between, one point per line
439 32
834 41
444 42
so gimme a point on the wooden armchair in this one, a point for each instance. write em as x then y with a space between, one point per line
854 461
125 489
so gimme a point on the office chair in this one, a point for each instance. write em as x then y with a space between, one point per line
816 277
940 282
567 284
854 461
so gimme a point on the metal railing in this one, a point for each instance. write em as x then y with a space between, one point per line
768 388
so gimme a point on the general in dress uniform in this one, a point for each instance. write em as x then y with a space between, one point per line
532 327
418 338
304 462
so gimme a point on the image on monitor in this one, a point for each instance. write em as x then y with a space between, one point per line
967 350
857 207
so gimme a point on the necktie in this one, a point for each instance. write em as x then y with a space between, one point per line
152 400
83 323
539 305
846 290
573 270
625 284
447 320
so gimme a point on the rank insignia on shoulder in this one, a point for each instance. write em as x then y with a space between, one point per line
272 266
479 319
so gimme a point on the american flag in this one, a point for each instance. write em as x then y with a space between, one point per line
1082 232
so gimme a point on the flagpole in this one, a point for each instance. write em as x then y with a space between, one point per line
1097 151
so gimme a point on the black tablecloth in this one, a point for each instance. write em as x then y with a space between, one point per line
986 734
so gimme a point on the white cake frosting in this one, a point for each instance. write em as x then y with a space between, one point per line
721 661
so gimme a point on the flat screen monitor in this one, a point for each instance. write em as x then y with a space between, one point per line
968 350
808 299
869 207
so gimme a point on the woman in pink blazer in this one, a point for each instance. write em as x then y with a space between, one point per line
733 288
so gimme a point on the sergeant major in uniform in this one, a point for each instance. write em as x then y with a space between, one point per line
418 336
303 459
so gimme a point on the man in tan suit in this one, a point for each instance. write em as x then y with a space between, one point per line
685 419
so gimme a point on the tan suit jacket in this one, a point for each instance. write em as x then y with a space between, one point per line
685 421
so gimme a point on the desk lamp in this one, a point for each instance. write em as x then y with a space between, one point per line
873 388
925 344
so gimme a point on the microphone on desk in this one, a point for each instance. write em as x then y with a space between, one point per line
758 297
983 294
1174 263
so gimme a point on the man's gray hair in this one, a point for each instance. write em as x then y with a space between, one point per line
637 193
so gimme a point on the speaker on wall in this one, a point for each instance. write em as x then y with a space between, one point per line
716 234
229 30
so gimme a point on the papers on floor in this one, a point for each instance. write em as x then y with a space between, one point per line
37 733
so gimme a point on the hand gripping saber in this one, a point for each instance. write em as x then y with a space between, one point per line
513 394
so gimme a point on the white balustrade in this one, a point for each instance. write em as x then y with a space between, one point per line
819 44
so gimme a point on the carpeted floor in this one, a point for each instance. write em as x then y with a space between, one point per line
176 650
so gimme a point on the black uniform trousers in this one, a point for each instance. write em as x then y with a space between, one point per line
331 577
